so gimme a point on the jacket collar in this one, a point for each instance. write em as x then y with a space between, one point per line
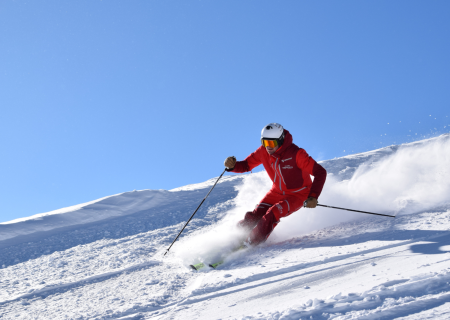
286 144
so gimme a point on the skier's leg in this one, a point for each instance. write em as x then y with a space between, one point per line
266 224
269 221
251 218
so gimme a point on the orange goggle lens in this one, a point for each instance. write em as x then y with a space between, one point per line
269 143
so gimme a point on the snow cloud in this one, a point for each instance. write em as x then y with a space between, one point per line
414 179
208 242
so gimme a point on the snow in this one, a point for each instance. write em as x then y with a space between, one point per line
104 259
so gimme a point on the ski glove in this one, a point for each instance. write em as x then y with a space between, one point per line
230 162
311 202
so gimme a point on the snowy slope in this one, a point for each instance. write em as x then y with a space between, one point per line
103 259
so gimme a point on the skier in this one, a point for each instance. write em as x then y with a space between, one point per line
290 168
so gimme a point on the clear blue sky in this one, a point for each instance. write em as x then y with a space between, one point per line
103 97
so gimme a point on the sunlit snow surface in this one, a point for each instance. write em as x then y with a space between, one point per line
104 259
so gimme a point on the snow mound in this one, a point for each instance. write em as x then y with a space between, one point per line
104 259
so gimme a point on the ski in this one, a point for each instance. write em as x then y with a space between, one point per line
197 266
215 265
201 265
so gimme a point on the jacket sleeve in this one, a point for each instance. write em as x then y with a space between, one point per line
252 161
310 166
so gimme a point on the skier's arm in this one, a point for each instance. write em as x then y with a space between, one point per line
248 164
305 162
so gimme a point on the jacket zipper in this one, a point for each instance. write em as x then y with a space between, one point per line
275 178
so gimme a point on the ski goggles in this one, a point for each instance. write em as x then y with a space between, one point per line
269 143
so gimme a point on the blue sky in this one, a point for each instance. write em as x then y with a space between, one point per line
103 97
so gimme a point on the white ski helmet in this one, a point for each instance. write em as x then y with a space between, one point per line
273 131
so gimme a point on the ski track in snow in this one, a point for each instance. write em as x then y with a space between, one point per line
69 265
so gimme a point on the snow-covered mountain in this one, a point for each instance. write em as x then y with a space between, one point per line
104 259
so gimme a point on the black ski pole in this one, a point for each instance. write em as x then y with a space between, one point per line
378 214
195 212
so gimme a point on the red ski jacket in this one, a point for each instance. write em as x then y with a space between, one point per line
289 168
